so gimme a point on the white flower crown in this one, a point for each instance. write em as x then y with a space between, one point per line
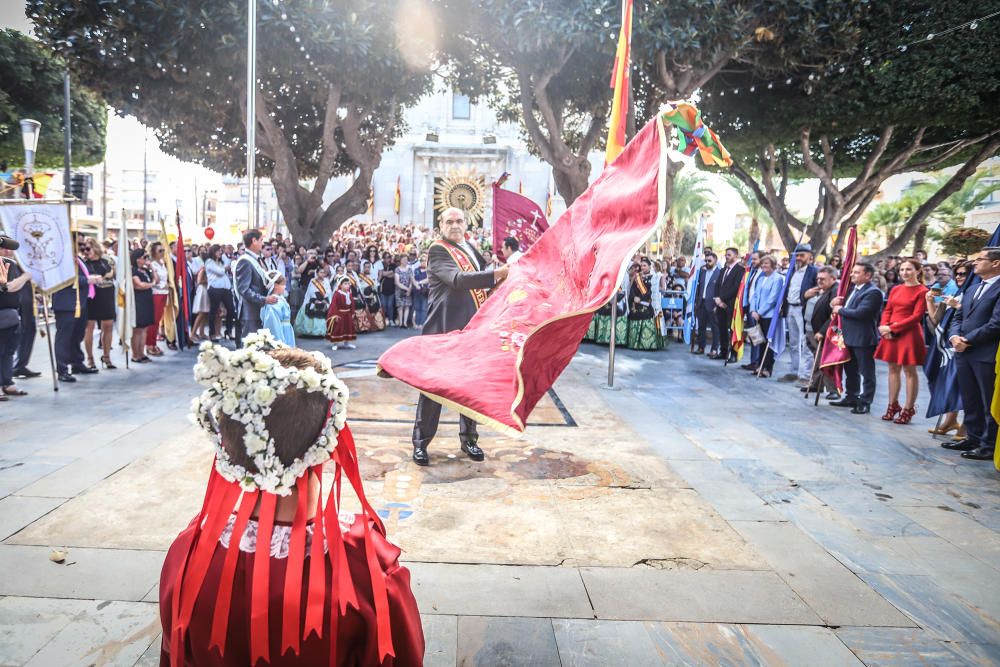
243 384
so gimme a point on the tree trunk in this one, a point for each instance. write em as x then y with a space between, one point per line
920 238
670 236
571 181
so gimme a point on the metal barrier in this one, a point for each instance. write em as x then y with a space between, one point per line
674 304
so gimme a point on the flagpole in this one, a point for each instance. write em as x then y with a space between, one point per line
251 108
816 360
48 336
611 342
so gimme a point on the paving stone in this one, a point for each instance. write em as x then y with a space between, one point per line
95 574
835 593
943 615
731 499
801 645
485 641
440 640
588 643
729 596
115 634
499 590
16 512
966 534
28 624
864 511
151 658
903 647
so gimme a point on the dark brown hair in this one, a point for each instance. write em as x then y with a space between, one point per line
295 420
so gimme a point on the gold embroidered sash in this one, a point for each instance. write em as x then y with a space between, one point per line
466 265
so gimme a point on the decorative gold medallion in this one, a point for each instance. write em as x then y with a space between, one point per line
462 189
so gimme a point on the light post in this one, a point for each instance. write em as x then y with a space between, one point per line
30 129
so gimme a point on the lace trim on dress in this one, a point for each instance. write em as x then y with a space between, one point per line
281 536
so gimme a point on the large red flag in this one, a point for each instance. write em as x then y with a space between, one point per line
835 353
515 215
498 367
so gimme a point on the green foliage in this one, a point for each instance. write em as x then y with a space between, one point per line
692 197
32 87
947 85
952 211
887 218
964 241
180 67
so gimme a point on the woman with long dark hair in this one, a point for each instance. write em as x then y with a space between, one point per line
100 308
902 345
220 293
142 286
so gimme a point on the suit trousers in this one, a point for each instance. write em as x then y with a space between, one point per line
976 380
706 320
69 339
426 424
8 344
220 296
800 356
248 327
724 319
860 372
27 342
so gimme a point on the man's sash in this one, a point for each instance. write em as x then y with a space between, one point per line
245 257
465 264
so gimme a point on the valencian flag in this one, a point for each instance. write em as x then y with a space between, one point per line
499 366
184 314
736 326
517 216
548 203
170 309
396 201
621 82
835 353
125 321
697 261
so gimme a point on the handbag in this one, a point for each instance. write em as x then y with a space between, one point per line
9 317
757 336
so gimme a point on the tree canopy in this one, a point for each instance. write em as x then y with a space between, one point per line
32 87
333 78
901 102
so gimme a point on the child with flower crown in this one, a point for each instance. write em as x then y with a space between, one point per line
266 571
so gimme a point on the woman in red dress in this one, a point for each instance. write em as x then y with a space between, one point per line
340 317
902 345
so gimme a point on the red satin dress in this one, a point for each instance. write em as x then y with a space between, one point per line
340 318
904 314
356 644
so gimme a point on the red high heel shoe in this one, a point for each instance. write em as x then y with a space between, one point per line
891 412
905 415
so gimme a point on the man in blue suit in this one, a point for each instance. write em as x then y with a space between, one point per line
859 317
975 333
706 290
71 327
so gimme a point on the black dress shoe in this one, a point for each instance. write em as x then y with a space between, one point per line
832 396
420 456
66 377
472 449
962 445
84 370
861 409
713 355
26 373
844 403
699 350
748 367
980 454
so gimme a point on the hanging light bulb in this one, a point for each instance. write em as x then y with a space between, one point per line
973 25
868 61
842 69
902 49
788 81
930 37
753 88
770 85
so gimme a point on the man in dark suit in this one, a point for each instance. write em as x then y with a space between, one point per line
70 326
457 285
250 282
725 300
859 316
975 333
29 330
706 290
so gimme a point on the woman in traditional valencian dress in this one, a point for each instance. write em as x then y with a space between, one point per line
368 288
902 345
311 319
642 331
340 317
602 321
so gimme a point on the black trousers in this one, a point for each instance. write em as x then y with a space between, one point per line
69 340
706 320
220 296
976 380
724 320
426 425
859 374
28 331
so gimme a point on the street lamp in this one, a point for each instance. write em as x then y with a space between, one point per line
29 137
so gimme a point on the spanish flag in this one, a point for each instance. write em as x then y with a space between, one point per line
621 82
548 204
395 203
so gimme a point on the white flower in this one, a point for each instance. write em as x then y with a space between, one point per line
229 403
311 379
264 394
254 443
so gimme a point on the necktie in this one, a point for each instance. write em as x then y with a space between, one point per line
979 292
851 296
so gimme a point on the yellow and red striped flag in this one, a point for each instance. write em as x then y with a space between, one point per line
395 204
621 82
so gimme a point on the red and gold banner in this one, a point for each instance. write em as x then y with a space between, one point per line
498 367
517 216
835 353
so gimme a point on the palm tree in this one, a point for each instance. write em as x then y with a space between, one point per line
951 213
886 218
758 214
692 197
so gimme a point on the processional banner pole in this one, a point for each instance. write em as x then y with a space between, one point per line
251 109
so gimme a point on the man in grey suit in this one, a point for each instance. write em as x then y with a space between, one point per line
457 286
859 316
251 288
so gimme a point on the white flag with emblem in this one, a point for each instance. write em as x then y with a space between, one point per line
46 244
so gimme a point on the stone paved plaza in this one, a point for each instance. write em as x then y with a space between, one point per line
692 515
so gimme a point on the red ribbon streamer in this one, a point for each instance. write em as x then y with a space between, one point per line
260 591
220 617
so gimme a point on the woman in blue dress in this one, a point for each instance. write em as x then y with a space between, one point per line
277 316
